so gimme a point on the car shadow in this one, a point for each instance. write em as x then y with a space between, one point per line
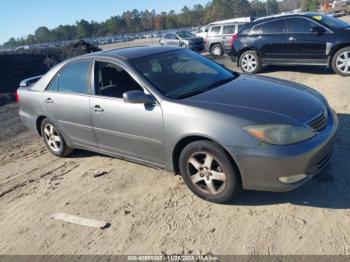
318 70
329 189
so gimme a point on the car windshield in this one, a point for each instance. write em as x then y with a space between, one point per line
185 34
182 73
330 21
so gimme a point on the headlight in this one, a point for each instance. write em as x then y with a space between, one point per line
279 134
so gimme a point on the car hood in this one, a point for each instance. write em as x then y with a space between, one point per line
267 95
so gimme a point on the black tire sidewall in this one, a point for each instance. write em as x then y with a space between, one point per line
216 45
233 184
64 150
334 61
258 66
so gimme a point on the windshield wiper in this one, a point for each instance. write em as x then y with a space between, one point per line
202 90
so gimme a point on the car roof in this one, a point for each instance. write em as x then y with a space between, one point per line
285 15
129 53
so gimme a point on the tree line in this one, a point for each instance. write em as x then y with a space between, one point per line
140 21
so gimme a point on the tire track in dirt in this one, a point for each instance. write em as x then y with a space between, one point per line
55 174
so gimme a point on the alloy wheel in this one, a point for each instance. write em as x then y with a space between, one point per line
52 138
206 173
343 62
249 62
216 51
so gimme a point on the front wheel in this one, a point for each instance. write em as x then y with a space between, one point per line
341 62
54 140
216 50
249 62
208 172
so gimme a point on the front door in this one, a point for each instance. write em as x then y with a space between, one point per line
67 103
305 45
132 130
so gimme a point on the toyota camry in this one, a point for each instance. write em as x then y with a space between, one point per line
172 108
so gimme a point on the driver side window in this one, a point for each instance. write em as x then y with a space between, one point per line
113 81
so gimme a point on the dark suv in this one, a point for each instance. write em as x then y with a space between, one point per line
294 39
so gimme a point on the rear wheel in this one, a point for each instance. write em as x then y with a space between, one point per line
216 50
249 62
54 140
341 62
208 172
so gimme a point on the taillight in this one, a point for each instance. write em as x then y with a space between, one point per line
17 97
234 38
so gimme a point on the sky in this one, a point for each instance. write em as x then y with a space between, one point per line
18 18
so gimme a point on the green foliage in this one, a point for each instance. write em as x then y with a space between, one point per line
138 21
310 5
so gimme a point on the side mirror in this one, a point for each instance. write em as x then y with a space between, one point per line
138 97
318 30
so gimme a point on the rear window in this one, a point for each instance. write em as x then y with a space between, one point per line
256 30
74 78
229 30
275 27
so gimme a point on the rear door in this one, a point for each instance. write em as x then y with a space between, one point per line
227 32
274 39
305 45
67 103
213 37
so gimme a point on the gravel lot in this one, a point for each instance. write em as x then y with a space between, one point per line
152 212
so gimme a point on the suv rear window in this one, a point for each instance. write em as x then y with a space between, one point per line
275 27
229 30
256 30
214 30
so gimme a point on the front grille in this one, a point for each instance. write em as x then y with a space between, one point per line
320 122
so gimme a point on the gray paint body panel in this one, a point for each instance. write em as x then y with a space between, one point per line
149 133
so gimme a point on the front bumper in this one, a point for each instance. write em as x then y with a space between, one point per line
199 47
262 166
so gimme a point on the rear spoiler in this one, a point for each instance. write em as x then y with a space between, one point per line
29 81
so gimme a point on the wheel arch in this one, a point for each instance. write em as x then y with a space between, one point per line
334 50
245 50
39 120
215 43
184 141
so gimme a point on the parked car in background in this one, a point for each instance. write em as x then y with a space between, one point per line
294 39
175 109
219 35
183 39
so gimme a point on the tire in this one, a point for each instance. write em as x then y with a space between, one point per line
249 62
216 50
54 140
183 45
218 182
341 62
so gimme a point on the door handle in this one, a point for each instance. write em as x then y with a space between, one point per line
97 108
291 38
48 101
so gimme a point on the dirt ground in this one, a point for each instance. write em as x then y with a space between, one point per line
152 212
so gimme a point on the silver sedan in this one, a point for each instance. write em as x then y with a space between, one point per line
172 108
